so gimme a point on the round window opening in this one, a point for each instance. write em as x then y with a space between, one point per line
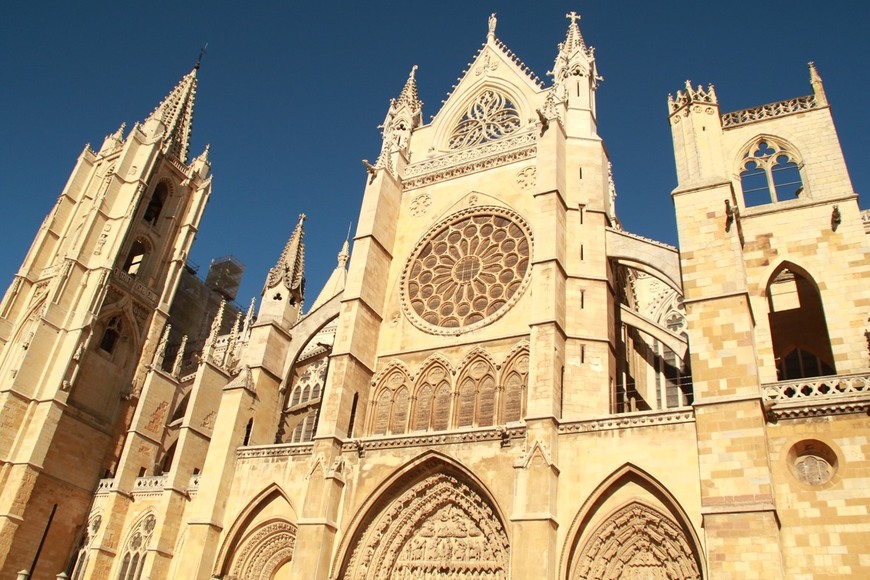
467 271
812 462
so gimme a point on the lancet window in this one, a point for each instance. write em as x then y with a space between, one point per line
479 397
111 335
391 404
770 172
490 116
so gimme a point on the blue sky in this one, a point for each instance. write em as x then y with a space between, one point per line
291 93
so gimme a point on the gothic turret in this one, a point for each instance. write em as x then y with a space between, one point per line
404 115
285 285
575 74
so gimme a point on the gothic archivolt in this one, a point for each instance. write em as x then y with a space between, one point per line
439 527
263 552
636 541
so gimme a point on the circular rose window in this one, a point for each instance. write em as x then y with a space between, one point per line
467 271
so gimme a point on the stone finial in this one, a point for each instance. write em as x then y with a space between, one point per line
490 35
211 341
344 255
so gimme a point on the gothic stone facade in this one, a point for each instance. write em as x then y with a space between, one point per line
500 383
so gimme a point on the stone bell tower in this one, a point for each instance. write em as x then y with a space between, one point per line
87 305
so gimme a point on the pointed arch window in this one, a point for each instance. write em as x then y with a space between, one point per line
770 172
391 405
155 206
798 328
492 115
513 395
111 335
475 404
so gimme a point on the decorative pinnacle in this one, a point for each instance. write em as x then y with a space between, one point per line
818 87
409 95
290 267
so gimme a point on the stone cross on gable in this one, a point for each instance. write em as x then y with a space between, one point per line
573 16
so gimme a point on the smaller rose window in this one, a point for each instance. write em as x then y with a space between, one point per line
467 271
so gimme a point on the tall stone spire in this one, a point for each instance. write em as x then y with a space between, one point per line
289 271
175 112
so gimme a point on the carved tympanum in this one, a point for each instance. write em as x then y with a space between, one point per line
438 528
637 541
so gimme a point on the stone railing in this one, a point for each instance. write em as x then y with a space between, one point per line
817 387
149 484
769 111
128 282
105 485
816 396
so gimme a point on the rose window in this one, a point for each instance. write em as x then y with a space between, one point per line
490 116
467 270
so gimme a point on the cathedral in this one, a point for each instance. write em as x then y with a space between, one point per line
499 382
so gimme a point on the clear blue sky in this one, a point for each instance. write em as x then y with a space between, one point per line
291 93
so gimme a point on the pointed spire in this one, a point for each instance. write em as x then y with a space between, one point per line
176 114
409 95
574 40
290 269
818 87
574 56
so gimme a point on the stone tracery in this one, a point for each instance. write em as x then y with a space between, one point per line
489 117
467 270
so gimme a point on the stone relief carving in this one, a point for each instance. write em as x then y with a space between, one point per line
420 204
438 528
636 541
527 178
